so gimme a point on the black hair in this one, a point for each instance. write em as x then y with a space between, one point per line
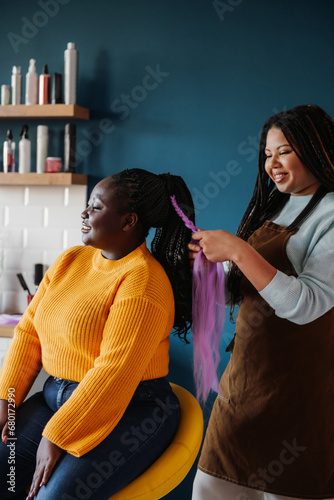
148 195
310 132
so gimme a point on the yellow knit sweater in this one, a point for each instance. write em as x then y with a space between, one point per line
99 322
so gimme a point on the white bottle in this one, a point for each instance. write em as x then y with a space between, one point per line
70 74
16 83
42 148
31 83
24 152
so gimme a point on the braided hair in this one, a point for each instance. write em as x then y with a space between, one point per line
310 132
148 195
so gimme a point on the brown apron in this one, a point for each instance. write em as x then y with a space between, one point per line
272 424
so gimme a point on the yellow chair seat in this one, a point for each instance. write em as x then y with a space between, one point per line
176 461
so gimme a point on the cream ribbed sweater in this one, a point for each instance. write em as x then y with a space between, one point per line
99 322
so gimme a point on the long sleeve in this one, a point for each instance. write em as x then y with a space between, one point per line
308 296
102 323
87 416
23 360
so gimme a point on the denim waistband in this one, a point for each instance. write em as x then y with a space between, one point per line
57 390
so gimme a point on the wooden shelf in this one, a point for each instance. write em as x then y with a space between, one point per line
33 179
56 111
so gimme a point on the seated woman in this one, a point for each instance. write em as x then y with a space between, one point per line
99 325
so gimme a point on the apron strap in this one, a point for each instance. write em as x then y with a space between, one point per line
316 198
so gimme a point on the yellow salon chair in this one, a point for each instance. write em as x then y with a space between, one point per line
176 461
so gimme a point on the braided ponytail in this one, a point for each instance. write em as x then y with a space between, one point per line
148 195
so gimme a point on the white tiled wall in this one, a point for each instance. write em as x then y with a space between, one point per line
36 224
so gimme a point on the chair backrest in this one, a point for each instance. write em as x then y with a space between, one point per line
176 461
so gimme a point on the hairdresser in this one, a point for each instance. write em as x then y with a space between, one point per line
99 324
271 431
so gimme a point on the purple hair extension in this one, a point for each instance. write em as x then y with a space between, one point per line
208 305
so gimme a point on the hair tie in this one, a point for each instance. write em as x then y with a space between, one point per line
208 314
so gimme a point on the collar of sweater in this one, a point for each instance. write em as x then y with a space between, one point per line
106 265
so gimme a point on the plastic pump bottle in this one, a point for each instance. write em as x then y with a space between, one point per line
24 151
70 73
31 83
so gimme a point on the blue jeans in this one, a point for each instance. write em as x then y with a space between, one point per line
144 432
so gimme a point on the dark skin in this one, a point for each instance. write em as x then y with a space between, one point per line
117 236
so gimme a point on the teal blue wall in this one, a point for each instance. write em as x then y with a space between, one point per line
225 67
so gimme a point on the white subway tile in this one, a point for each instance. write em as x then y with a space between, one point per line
45 238
2 215
22 259
74 237
20 216
12 194
9 282
12 237
77 197
4 343
14 302
64 217
46 196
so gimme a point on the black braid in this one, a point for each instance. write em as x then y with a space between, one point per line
147 195
310 132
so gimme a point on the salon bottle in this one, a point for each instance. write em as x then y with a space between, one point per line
69 147
44 87
70 74
24 151
42 148
31 83
16 84
9 153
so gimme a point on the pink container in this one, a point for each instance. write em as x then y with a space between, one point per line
52 164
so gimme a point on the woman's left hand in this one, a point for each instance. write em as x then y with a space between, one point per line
218 245
47 456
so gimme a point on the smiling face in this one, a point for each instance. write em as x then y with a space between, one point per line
285 168
102 225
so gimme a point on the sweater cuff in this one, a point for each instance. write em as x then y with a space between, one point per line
275 293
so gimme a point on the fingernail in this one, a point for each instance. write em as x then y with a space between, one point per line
4 439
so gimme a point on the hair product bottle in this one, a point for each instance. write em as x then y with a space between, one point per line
9 153
16 84
69 147
24 151
57 91
5 95
31 83
42 148
70 73
44 87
